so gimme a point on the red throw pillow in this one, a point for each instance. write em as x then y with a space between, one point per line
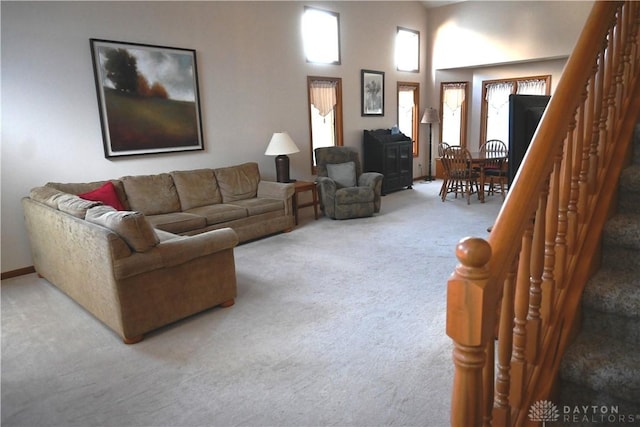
105 194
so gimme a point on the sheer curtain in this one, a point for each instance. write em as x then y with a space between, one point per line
532 87
497 97
406 103
453 98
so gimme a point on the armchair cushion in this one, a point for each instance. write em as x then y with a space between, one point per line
343 173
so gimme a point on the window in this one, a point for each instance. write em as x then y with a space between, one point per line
407 50
495 103
409 111
454 101
321 36
325 114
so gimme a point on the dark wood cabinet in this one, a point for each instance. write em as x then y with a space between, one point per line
391 155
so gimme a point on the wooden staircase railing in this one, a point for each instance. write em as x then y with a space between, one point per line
512 299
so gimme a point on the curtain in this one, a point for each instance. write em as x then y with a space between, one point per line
532 87
406 104
454 95
453 99
323 96
497 97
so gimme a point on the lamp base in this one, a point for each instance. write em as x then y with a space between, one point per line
282 168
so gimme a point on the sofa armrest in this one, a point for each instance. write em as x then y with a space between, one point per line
275 190
176 251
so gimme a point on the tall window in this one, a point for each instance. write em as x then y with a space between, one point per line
409 111
321 36
495 103
325 113
407 50
454 101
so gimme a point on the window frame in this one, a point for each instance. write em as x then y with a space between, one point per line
338 119
415 119
514 80
464 113
415 32
304 44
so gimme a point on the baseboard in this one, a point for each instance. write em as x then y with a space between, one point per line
18 272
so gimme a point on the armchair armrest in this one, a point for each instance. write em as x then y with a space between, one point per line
176 251
369 179
327 186
373 180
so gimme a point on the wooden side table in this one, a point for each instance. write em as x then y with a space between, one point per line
301 187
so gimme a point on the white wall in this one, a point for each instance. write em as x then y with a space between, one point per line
252 77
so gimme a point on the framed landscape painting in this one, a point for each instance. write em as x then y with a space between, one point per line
147 98
372 93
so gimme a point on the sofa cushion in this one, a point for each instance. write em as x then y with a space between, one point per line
196 188
47 195
152 194
177 222
105 194
133 227
344 174
216 214
257 206
74 205
85 187
238 182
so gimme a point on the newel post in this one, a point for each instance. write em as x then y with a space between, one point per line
470 325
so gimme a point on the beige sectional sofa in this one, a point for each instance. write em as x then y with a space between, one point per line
167 254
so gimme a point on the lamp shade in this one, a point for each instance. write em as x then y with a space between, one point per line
281 143
430 116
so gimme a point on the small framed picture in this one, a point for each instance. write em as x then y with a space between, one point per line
147 98
372 93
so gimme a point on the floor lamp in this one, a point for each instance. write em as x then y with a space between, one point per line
430 116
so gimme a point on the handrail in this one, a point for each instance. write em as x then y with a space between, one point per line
522 285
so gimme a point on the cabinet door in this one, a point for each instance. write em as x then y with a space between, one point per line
391 160
405 163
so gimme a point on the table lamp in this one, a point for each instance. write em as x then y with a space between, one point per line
280 145
430 116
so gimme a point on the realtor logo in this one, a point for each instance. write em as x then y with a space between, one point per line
544 410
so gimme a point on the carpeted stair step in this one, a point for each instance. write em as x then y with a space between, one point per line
622 230
615 326
573 399
615 288
618 258
629 190
603 364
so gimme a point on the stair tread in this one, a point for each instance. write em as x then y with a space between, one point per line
623 230
614 290
585 399
630 179
603 364
612 325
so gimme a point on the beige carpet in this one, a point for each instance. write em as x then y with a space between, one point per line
338 323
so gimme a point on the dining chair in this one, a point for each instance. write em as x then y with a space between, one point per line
495 166
462 176
445 169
